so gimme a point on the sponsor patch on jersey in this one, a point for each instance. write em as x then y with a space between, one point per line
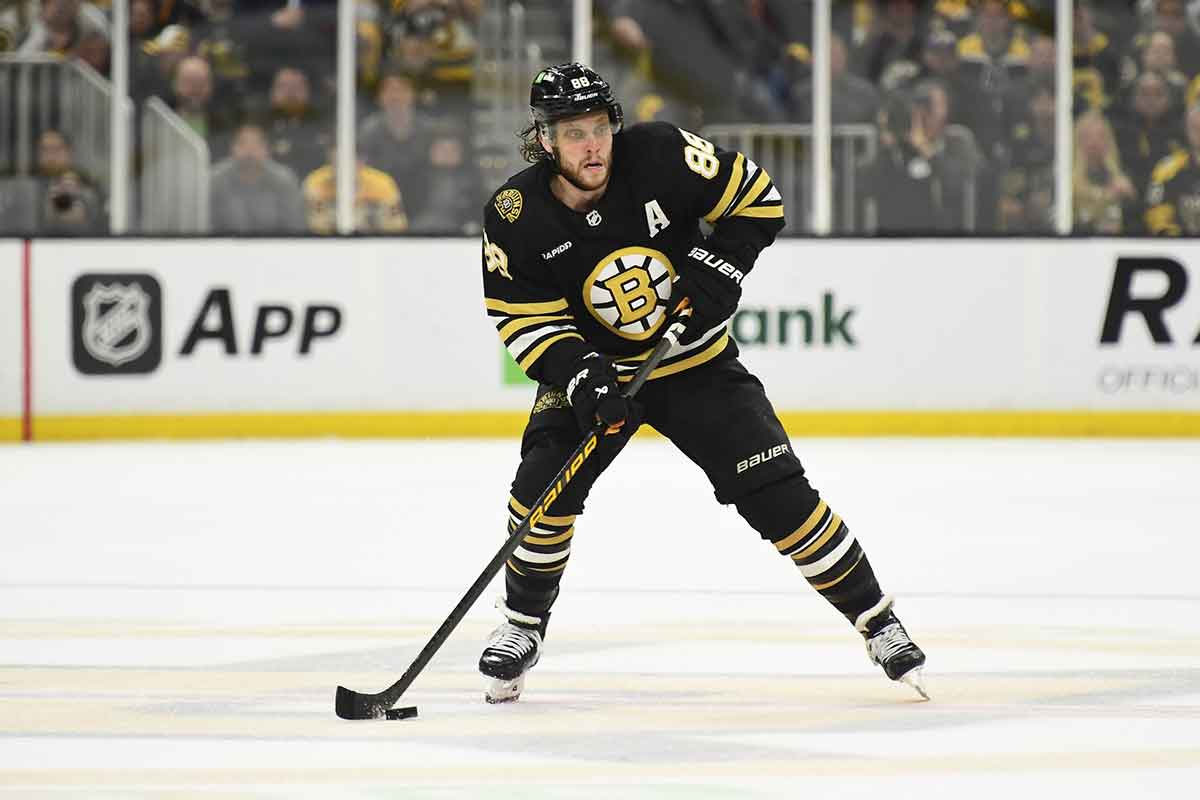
509 204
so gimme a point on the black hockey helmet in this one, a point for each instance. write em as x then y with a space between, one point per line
568 90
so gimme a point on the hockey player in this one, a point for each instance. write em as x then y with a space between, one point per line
584 255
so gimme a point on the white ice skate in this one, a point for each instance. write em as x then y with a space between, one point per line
889 646
512 650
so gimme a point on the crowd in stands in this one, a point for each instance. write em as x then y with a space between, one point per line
958 95
961 94
256 80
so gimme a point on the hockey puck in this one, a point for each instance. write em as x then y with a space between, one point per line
401 713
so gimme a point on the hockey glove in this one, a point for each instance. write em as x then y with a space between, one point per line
713 284
596 397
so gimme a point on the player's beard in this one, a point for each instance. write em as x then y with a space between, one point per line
575 177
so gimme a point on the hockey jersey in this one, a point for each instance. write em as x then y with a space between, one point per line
560 283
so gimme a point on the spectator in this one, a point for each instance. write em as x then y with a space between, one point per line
224 41
900 184
1026 203
1157 54
432 41
993 59
396 138
954 158
68 203
1152 132
15 18
378 207
698 60
1170 16
853 99
892 51
62 25
1173 201
622 52
452 203
299 134
1102 191
250 193
192 100
939 60
155 51
1095 62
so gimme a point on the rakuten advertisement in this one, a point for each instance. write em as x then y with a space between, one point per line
1011 325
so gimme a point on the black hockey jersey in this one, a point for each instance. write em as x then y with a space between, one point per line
559 283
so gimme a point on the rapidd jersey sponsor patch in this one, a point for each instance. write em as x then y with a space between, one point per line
509 204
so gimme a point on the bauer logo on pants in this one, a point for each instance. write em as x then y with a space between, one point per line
116 321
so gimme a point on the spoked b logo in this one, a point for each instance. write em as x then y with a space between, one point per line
116 323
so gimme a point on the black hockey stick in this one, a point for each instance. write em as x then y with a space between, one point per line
350 704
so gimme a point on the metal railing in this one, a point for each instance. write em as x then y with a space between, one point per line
174 173
42 92
505 63
784 152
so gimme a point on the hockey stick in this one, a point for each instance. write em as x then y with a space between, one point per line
350 704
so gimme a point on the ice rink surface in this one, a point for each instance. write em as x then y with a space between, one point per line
174 619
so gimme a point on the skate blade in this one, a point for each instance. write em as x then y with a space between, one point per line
500 691
916 679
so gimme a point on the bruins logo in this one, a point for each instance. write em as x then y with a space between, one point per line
628 291
509 204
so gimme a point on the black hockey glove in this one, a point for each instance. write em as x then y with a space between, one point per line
596 397
713 284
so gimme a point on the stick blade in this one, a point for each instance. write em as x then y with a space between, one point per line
349 704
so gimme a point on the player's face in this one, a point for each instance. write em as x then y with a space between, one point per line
585 149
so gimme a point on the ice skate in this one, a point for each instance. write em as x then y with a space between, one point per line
512 650
889 646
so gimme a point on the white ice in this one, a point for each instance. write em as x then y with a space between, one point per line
174 619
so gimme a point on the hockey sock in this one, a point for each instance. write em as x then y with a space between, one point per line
533 572
832 561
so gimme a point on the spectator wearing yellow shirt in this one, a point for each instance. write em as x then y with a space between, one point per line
378 207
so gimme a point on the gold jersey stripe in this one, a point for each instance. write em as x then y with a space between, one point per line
823 586
707 354
760 185
521 323
797 535
1161 218
513 567
536 353
761 212
735 180
546 307
835 524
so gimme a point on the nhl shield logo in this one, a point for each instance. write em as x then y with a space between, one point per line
117 320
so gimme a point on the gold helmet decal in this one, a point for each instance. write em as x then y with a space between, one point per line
628 291
509 204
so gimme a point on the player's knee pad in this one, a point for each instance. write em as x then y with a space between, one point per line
773 510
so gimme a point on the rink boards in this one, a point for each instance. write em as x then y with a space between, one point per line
377 337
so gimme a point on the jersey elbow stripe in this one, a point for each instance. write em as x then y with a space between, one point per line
510 325
731 190
526 342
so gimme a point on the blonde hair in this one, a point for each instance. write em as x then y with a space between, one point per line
1094 203
1112 156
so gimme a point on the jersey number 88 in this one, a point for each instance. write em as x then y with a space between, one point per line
700 155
